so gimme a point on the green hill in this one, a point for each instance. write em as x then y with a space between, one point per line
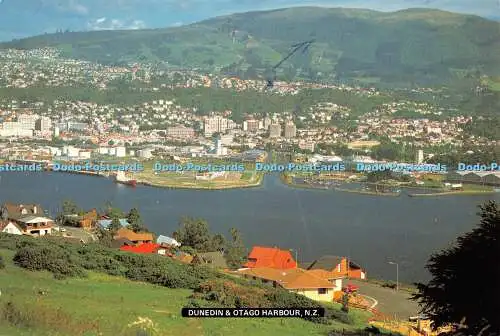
52 287
108 305
411 46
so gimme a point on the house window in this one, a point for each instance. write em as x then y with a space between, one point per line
322 291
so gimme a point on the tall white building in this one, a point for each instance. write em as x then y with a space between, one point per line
290 130
27 121
267 122
44 124
217 124
275 130
219 148
420 156
14 128
121 151
251 125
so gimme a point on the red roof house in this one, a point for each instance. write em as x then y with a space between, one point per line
142 248
271 257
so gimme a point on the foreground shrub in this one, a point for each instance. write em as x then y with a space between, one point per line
340 315
231 294
55 260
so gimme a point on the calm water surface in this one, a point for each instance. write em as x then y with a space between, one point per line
371 230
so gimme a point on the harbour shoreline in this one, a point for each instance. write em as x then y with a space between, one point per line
449 193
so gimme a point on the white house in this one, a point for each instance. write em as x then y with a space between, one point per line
10 227
164 240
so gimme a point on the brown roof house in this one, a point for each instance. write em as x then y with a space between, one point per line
89 220
136 238
337 266
297 280
29 217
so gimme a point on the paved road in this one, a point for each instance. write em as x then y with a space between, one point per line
390 302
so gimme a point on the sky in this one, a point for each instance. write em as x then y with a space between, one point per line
22 18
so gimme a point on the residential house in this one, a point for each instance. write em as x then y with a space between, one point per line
29 217
337 266
105 223
213 259
167 241
297 280
89 220
271 257
136 238
10 227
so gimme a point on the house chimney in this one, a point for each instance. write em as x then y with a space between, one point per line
34 209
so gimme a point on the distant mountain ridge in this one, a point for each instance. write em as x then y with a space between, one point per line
414 46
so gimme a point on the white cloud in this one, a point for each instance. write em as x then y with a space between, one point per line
177 24
73 6
137 24
114 24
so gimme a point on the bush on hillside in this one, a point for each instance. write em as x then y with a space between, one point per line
2 263
11 242
339 315
211 287
55 260
231 294
281 298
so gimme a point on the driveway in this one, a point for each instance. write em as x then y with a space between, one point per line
390 302
79 233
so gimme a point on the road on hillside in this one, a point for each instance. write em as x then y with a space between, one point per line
79 233
390 302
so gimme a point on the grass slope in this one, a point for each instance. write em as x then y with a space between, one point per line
409 46
106 305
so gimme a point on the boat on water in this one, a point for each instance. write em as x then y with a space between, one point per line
122 179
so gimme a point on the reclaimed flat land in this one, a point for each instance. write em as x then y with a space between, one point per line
106 305
187 179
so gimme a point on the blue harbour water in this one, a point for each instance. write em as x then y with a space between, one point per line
371 230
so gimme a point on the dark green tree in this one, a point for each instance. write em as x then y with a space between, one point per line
115 225
69 207
113 212
135 221
218 242
235 251
345 302
195 233
465 287
105 236
377 176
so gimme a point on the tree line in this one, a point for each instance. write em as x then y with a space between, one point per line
193 233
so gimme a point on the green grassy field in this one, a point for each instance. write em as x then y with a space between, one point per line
105 305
